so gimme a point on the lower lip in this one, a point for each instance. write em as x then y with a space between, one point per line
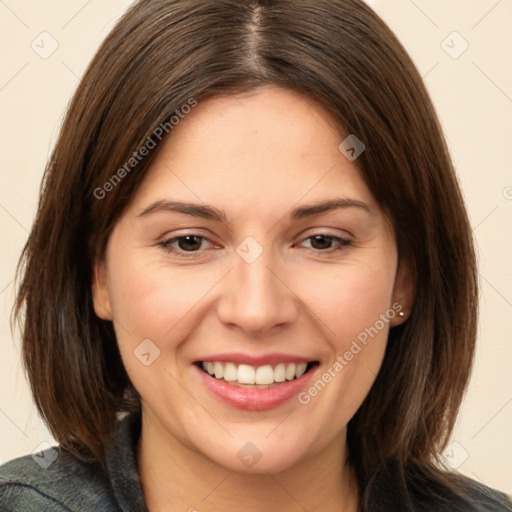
255 399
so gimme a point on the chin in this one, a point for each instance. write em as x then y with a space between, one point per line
257 456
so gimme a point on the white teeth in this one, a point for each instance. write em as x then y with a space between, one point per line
290 371
218 368
248 375
301 369
264 375
230 372
280 373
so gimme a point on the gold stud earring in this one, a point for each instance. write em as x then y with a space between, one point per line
401 314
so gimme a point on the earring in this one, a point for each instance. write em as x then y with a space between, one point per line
401 314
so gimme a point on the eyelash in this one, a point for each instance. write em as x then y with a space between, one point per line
167 245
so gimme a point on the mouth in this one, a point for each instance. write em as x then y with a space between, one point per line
256 386
257 377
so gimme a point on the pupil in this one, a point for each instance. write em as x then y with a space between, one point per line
321 242
189 243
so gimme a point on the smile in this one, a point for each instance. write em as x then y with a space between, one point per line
261 377
252 383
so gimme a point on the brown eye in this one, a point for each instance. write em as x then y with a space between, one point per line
321 242
326 243
189 243
181 245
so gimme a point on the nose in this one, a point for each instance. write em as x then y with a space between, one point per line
256 298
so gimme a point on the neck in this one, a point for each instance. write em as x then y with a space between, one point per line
176 477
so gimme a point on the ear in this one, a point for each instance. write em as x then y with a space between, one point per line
100 295
403 292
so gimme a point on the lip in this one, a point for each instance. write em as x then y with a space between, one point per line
254 399
255 360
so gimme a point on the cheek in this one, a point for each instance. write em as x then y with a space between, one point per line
149 300
350 300
355 310
353 306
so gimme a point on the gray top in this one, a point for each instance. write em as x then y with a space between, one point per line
70 486
44 483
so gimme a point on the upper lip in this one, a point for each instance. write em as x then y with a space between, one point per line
255 360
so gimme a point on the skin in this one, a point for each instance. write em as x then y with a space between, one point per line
255 156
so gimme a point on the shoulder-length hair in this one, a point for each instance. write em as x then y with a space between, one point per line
164 54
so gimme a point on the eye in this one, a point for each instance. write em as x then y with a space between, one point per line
192 245
185 244
327 243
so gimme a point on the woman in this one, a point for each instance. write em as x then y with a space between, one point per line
251 282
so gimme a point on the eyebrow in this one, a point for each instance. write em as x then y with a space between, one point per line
212 213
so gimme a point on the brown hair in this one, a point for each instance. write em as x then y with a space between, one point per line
161 54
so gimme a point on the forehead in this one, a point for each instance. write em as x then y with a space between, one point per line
270 147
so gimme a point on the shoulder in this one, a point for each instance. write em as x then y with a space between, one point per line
53 481
462 495
430 488
486 499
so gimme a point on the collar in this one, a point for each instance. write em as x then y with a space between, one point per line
121 463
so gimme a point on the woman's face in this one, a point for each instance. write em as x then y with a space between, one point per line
252 245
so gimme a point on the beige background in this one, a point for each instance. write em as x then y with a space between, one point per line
473 95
